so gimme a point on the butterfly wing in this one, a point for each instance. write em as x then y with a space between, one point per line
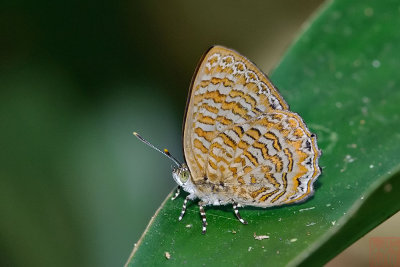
228 94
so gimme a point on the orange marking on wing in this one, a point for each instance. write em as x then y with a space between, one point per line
254 194
238 130
298 133
226 82
228 141
271 179
205 119
284 180
209 108
224 120
212 164
255 134
222 168
265 122
248 98
214 80
216 157
251 157
238 160
266 196
198 144
233 170
236 108
302 170
247 169
290 158
277 162
293 123
207 135
274 139
214 95
252 75
263 149
243 145
228 70
297 145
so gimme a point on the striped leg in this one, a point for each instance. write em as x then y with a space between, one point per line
203 218
235 209
183 208
178 191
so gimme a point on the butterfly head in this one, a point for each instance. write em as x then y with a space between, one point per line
181 174
183 178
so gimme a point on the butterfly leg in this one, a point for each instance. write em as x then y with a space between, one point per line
183 208
203 218
178 191
235 209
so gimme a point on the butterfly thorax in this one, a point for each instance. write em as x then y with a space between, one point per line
207 191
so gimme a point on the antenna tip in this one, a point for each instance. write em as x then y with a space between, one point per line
166 151
135 133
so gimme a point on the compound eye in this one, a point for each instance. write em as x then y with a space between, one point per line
184 176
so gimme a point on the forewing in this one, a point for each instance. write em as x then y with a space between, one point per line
227 90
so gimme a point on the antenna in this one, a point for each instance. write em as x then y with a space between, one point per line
164 152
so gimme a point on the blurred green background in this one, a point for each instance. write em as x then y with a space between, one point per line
76 78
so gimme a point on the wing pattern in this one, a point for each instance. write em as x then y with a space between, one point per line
241 142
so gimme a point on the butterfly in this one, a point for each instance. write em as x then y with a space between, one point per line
242 145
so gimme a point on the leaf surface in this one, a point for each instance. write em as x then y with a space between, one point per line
341 76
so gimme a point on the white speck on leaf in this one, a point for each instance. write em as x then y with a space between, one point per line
376 63
371 166
250 248
311 208
352 145
293 240
347 159
260 237
167 255
365 100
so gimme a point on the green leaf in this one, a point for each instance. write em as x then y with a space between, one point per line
341 75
